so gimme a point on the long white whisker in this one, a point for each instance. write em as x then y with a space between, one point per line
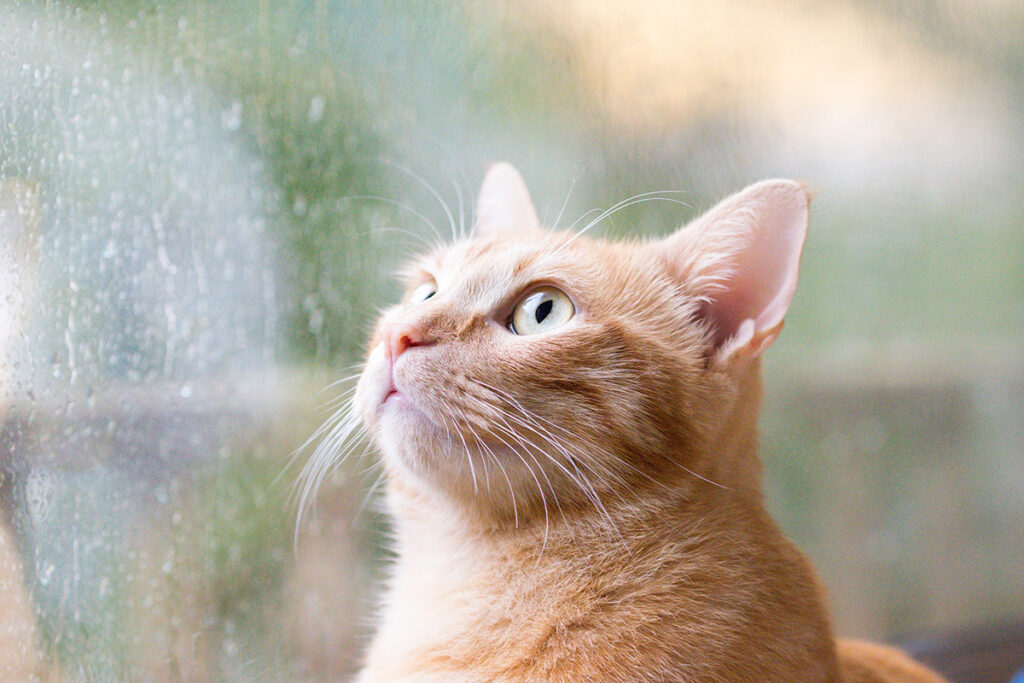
339 436
579 478
570 435
625 203
564 448
588 489
462 209
540 489
545 434
335 417
483 461
568 194
511 491
465 447
416 236
386 200
370 491
430 188
526 444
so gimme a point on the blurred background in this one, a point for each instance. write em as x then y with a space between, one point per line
202 205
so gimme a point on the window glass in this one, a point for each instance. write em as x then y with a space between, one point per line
202 205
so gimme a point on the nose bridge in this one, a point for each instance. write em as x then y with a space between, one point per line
469 323
432 322
449 322
420 326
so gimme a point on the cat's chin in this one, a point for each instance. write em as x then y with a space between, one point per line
399 415
405 432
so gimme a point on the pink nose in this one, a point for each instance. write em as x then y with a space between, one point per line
400 336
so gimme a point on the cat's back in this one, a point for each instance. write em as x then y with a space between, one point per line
863 662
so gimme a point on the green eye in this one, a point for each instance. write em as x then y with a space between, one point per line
542 310
423 292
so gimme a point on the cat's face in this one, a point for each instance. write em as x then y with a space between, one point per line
540 363
528 370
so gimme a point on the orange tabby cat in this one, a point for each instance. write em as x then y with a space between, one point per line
568 429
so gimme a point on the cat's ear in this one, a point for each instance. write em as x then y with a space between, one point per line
742 259
504 203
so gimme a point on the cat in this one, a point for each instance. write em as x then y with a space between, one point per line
568 436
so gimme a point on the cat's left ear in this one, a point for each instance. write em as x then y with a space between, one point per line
741 258
504 203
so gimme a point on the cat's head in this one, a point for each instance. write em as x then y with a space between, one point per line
527 369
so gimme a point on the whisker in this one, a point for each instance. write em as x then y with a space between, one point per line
462 208
371 490
540 489
576 222
336 415
465 448
583 482
430 188
386 200
565 203
483 461
526 444
585 485
564 448
339 436
600 450
580 479
423 241
653 196
511 491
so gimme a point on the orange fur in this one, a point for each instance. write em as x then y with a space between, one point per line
585 504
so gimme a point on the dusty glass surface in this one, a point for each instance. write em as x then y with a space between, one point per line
201 204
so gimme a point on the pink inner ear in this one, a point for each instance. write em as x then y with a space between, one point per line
504 203
743 257
764 270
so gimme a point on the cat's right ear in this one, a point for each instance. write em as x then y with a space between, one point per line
741 259
504 203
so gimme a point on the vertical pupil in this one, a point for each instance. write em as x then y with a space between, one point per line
543 309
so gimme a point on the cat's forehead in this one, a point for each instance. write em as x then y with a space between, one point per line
486 264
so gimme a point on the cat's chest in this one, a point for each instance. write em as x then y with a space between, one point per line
484 618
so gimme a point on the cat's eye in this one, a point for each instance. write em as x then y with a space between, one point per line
423 292
542 310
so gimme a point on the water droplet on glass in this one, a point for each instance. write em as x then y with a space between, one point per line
316 109
231 118
46 574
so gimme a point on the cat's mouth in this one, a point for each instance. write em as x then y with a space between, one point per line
398 398
394 398
386 392
390 394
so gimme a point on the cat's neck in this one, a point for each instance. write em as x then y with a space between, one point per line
731 448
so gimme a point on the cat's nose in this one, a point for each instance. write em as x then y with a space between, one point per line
400 336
